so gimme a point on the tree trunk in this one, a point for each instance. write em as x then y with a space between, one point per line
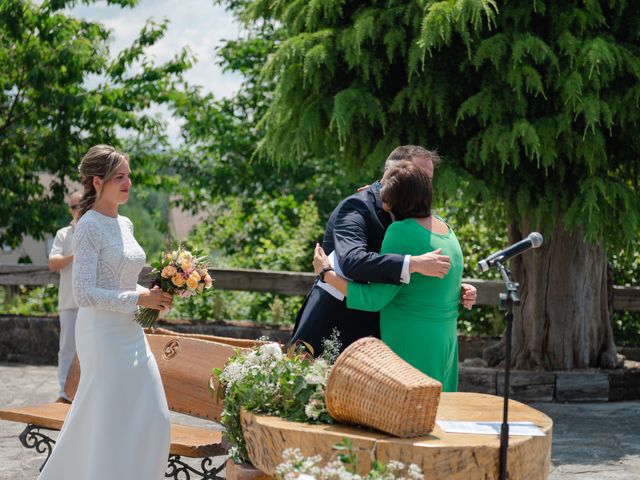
564 321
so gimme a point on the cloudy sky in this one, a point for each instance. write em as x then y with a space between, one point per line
197 24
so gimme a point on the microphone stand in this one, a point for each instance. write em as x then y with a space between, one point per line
506 302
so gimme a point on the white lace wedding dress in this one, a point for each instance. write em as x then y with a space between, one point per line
118 426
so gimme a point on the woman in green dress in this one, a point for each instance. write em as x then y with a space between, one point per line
417 320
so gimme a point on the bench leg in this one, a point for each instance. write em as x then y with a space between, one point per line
31 437
178 470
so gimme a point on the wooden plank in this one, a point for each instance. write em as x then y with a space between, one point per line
488 290
244 471
187 441
185 366
27 275
73 378
626 298
47 415
185 363
582 387
285 283
196 442
234 342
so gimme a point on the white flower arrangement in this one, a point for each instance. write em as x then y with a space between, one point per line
265 380
296 466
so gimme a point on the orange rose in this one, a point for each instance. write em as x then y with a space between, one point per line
178 280
169 271
192 283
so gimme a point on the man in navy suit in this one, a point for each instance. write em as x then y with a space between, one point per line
354 234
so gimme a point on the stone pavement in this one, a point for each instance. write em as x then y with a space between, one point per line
591 441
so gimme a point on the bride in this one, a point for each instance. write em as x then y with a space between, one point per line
118 425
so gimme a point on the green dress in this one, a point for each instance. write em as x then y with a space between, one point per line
418 320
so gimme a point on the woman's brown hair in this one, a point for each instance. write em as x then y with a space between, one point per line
102 161
406 188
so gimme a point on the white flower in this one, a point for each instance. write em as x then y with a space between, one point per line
415 472
318 373
271 351
296 467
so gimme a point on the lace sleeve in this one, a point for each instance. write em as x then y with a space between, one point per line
86 248
139 288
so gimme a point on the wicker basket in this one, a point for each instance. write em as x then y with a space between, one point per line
370 385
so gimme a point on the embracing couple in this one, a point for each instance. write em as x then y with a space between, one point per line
394 271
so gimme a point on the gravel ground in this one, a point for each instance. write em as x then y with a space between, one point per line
591 441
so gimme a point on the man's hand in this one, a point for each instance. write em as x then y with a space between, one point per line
468 295
431 264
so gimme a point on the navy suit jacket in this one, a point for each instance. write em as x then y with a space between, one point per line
355 231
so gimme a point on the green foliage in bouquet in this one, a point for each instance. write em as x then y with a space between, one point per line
265 380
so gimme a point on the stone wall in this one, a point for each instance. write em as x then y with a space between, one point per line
31 340
34 340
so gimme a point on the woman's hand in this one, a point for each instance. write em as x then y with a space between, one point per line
155 299
320 260
468 295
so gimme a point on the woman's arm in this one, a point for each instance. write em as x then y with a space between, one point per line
86 246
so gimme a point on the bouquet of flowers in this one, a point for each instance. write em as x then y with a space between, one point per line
178 272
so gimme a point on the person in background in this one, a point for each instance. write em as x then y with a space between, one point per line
61 260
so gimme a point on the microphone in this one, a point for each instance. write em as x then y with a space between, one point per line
534 240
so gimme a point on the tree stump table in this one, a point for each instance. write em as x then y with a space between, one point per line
441 455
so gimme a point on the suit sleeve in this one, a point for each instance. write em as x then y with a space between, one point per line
350 240
373 297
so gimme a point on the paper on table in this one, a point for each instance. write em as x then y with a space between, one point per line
336 268
490 428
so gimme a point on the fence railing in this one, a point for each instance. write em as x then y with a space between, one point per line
284 283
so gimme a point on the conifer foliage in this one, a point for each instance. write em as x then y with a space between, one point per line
536 99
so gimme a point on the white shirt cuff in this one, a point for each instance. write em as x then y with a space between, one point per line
405 276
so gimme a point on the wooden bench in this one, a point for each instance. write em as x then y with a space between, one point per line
185 363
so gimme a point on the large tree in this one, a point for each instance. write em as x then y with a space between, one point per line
536 100
61 92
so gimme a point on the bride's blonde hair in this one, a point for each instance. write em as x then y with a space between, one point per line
102 161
